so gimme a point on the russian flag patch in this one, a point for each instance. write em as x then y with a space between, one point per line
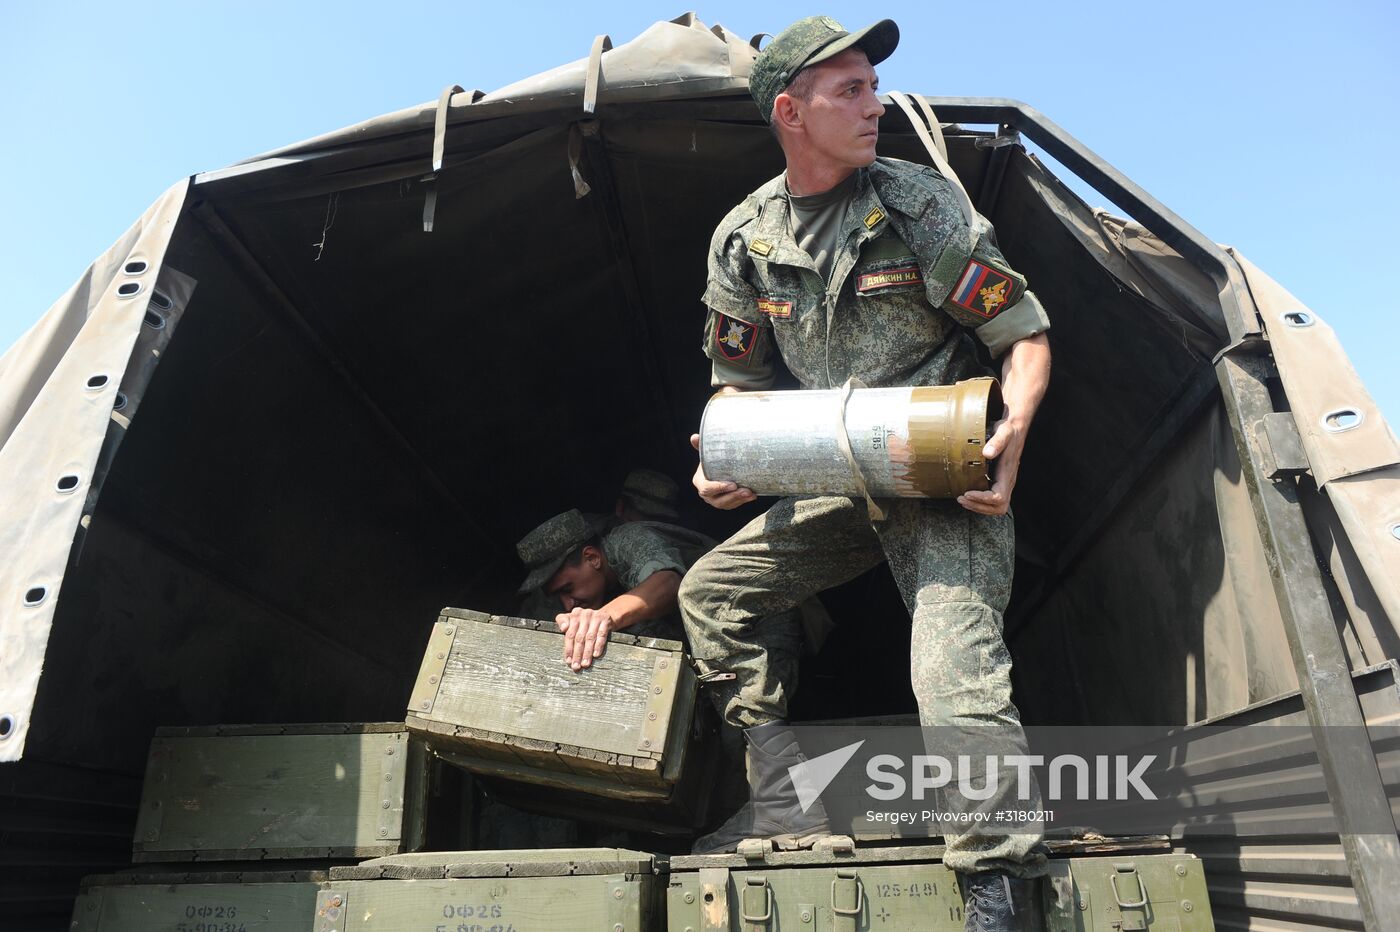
983 290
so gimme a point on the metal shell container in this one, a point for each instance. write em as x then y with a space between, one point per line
923 442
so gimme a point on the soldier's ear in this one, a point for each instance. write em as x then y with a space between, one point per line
785 111
593 557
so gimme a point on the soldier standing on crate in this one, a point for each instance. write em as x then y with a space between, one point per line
854 267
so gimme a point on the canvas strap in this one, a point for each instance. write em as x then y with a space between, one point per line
593 76
843 442
439 147
938 152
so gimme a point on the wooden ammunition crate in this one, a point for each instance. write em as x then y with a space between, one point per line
544 890
251 901
231 792
494 696
907 889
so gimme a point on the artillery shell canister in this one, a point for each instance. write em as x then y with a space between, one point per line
907 442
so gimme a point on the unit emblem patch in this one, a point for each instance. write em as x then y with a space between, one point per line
889 278
983 290
734 338
781 309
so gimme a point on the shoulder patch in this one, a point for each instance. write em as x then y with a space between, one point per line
733 338
984 290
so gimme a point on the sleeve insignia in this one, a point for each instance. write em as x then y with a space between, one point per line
733 338
782 309
983 290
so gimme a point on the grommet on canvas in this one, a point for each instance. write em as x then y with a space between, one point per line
161 300
7 726
1299 319
97 381
154 320
128 289
1395 531
1342 419
119 402
36 596
66 483
135 267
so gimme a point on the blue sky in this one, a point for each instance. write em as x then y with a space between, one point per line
1269 126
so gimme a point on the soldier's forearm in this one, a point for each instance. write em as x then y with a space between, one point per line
654 597
1025 374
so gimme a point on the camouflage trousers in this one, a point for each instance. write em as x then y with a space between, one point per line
953 569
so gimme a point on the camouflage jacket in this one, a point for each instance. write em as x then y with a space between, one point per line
639 549
905 287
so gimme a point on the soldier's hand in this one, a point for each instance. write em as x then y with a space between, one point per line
1004 452
585 635
723 495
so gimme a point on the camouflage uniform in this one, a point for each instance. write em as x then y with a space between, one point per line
635 551
905 288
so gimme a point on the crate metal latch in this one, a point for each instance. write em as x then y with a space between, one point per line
846 888
1132 914
756 892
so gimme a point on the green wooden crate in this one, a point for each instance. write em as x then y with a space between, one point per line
282 791
226 902
1123 894
544 890
907 889
495 695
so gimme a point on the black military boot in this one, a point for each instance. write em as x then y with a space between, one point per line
772 810
997 902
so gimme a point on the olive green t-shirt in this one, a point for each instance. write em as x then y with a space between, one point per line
816 222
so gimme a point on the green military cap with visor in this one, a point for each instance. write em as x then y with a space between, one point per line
652 493
544 549
807 42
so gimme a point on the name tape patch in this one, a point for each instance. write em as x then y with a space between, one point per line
982 290
773 308
889 278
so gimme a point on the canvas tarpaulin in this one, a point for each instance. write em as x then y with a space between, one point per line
675 60
318 284
59 385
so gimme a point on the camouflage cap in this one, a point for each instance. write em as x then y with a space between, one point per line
652 493
806 42
545 548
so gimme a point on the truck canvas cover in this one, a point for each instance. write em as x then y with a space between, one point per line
311 398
